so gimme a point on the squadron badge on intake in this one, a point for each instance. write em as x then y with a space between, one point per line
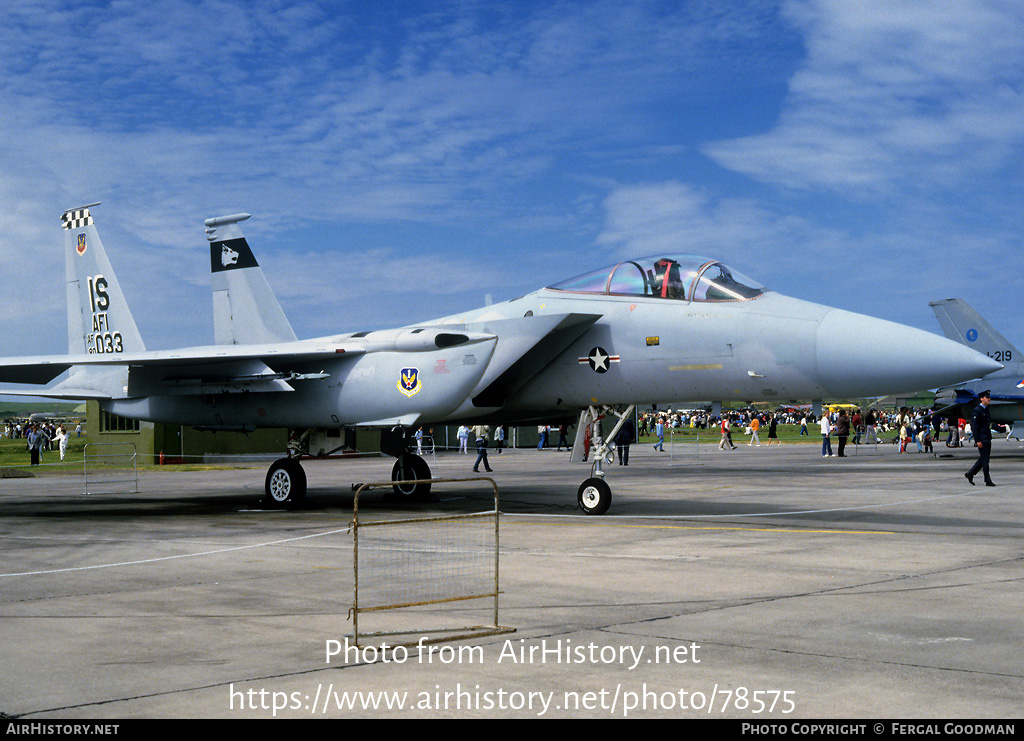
409 382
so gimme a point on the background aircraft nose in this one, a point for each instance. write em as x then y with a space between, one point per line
859 355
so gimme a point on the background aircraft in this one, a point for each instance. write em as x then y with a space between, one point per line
639 331
960 322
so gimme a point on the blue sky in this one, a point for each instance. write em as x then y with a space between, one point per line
403 159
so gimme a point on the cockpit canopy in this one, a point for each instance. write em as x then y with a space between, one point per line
681 277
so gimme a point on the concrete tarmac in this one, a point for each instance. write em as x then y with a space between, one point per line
755 583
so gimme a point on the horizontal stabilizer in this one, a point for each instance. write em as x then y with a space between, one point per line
67 393
38 370
103 382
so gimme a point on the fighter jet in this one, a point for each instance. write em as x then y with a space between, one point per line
963 324
636 332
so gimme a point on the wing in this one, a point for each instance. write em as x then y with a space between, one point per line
220 369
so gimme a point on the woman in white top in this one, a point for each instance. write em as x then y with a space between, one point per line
826 441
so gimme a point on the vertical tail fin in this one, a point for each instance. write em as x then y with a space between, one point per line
245 310
964 325
99 320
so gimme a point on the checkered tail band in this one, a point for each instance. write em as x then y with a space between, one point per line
76 218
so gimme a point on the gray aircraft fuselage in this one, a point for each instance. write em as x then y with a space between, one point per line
638 349
642 331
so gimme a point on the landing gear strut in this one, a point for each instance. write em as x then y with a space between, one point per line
595 495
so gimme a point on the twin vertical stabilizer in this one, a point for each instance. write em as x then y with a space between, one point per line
99 321
245 310
963 324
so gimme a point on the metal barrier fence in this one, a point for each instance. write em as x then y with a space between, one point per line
107 465
412 563
865 441
683 449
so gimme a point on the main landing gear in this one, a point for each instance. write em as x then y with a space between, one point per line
285 486
408 466
286 481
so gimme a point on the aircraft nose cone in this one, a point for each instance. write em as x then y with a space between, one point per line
859 355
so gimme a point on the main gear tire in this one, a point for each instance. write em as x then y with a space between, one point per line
285 486
408 468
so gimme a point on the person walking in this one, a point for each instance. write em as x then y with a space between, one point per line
659 430
62 441
562 429
773 430
726 434
982 431
481 432
34 438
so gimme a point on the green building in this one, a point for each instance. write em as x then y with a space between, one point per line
180 443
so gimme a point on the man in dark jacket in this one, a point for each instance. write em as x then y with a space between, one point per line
982 432
623 440
842 431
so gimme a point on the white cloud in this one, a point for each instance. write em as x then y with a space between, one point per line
889 270
922 94
476 122
676 217
172 110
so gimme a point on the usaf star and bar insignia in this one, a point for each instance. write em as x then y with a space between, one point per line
599 360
